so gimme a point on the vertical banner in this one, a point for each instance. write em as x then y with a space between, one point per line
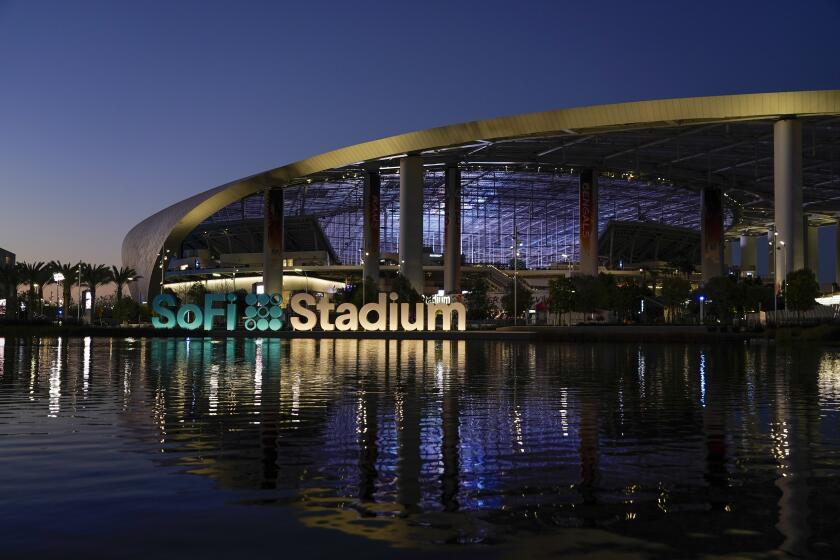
711 232
273 241
452 232
588 212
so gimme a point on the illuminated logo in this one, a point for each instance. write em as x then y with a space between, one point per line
263 312
386 314
191 316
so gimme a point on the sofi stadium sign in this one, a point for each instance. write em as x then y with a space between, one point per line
264 312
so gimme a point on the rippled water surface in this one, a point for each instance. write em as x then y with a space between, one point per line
256 448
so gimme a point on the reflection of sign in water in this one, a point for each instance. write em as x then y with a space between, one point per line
265 313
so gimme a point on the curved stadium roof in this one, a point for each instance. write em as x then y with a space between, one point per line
642 147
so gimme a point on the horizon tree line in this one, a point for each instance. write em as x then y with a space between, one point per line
36 275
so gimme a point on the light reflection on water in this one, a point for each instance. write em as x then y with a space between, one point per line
706 449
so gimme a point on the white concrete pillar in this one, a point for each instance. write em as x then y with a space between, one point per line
588 227
711 233
371 225
411 221
452 232
787 202
812 259
273 241
749 255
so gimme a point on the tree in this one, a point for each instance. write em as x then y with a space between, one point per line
356 293
561 293
127 310
9 279
626 298
523 298
122 276
71 276
34 275
477 300
684 263
675 291
405 291
93 276
722 299
590 293
801 288
755 295
196 293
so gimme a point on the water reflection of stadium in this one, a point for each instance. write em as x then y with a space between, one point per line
522 436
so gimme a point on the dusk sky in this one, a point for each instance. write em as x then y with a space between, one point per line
110 111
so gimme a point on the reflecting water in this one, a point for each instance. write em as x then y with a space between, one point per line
404 448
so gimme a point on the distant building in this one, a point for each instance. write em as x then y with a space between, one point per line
6 259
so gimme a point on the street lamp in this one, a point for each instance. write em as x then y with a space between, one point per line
702 301
58 278
79 299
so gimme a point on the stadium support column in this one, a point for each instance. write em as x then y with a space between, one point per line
711 233
411 221
811 233
749 255
588 199
452 232
787 202
371 225
727 253
273 241
837 254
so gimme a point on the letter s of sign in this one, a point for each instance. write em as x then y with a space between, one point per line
164 317
299 305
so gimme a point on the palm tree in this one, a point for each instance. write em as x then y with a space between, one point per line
34 275
70 273
9 279
93 276
122 276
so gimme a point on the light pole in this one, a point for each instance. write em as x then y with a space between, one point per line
163 255
79 300
515 247
702 301
783 285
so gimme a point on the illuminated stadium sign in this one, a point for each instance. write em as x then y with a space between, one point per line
264 312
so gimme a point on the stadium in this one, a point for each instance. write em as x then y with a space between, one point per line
728 184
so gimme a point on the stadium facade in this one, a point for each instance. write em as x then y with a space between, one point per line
739 181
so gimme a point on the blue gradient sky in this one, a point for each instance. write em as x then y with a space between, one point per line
110 111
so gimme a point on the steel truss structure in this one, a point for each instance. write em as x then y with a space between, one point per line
541 207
